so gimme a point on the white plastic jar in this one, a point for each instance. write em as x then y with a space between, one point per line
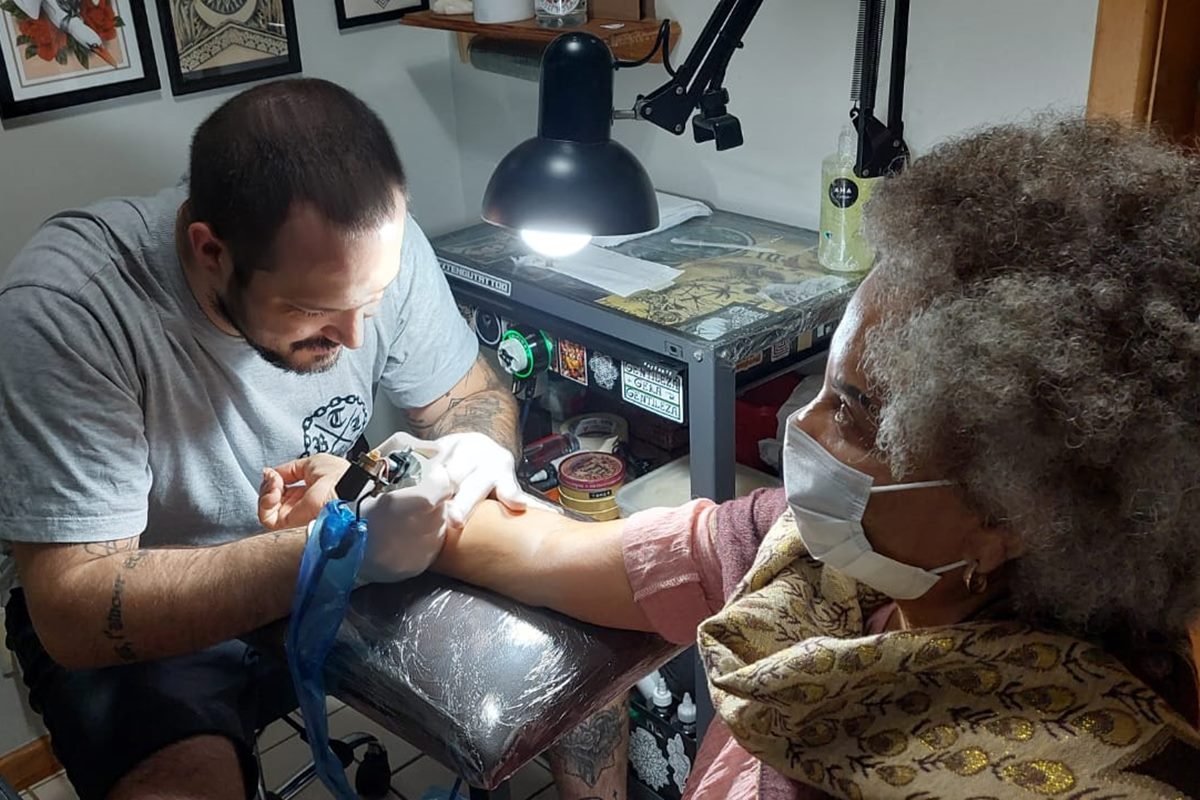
492 12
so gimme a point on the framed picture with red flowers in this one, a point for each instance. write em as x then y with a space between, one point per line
60 53
353 13
212 43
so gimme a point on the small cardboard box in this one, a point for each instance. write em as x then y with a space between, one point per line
621 9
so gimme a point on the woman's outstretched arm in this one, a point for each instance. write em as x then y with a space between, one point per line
543 559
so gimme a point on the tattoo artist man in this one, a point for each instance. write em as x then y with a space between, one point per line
159 351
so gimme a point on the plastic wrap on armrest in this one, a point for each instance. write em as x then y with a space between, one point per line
479 682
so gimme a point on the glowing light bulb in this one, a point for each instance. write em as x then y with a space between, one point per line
555 245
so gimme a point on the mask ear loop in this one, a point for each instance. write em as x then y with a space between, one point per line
900 487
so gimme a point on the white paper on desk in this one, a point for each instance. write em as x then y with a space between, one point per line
613 272
672 211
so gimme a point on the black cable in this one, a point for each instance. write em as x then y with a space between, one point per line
661 42
524 416
666 34
619 64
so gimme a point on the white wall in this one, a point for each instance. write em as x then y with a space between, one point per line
970 62
138 144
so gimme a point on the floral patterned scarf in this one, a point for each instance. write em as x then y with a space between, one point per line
984 709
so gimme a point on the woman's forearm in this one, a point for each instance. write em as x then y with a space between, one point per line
542 559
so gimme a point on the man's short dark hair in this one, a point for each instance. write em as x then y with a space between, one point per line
286 142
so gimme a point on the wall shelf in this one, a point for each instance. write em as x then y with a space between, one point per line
629 40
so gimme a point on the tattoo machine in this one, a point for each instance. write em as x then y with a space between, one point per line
371 474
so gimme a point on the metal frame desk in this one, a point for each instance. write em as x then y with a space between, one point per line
733 316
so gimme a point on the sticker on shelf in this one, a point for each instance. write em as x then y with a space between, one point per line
780 350
572 361
681 765
476 277
749 362
647 760
489 327
604 371
659 391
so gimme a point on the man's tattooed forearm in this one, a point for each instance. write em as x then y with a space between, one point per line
132 561
114 628
590 749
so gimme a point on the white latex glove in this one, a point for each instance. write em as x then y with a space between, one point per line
406 528
477 466
401 440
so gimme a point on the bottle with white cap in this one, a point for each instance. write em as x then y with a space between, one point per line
686 715
647 685
841 246
662 699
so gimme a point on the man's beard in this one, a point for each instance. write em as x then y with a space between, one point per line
229 307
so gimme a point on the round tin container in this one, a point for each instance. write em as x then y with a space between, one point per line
588 483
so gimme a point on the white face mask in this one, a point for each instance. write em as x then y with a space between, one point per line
828 499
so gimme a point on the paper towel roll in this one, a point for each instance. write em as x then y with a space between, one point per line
599 433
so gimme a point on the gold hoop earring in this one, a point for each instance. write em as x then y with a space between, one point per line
976 582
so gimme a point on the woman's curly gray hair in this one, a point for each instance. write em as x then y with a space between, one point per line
1043 348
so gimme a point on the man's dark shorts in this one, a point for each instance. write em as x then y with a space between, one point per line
103 722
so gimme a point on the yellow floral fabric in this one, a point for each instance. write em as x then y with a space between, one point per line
985 709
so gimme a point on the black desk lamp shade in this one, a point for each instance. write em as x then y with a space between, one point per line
572 178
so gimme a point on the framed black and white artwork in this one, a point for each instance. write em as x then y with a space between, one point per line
353 13
211 43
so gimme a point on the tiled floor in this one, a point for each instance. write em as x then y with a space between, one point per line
414 777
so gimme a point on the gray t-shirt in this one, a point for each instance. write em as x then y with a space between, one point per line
126 411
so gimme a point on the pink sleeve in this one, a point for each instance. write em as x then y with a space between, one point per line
673 568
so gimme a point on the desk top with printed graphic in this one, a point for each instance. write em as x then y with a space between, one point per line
737 302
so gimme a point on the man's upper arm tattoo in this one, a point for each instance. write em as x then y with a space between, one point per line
104 549
481 414
425 423
491 378
488 409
